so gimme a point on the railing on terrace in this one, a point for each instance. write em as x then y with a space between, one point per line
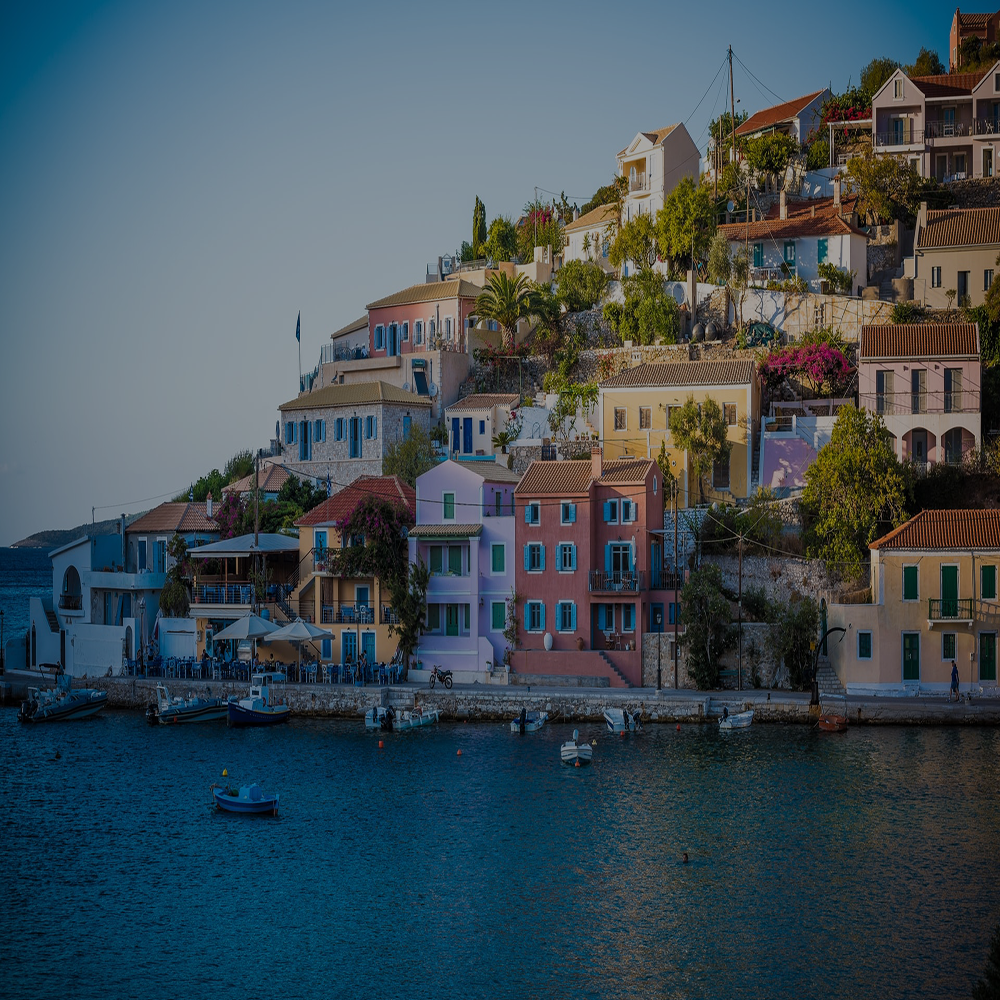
639 183
387 615
665 579
949 609
628 581
351 612
342 352
506 509
71 603
238 592
938 130
904 403
762 275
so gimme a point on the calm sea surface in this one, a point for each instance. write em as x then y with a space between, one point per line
855 865
24 573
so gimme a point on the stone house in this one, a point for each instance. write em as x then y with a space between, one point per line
473 420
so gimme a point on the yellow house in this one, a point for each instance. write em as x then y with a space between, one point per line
635 410
357 610
933 603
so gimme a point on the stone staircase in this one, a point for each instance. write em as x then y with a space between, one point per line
827 680
617 672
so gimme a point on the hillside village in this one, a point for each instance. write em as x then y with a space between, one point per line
731 423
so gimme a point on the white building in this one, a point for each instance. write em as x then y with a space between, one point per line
654 163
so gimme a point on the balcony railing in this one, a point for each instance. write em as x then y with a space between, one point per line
949 609
933 130
665 579
638 183
625 581
904 403
387 615
349 612
69 602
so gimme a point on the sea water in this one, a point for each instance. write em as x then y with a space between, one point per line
24 573
860 864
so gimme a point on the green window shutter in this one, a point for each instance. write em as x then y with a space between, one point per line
864 645
988 590
437 559
822 250
758 255
449 506
910 589
455 560
499 615
498 559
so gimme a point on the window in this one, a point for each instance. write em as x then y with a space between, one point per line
454 560
758 255
418 332
142 554
482 426
407 423
498 616
305 440
290 432
610 511
628 617
406 331
897 90
448 512
534 616
948 646
645 418
729 414
379 337
161 555
935 277
566 616
987 278
952 390
918 390
319 542
499 558
883 392
319 430
672 613
988 583
567 513
910 590
371 428
628 511
498 503
720 475
567 557
864 645
338 429
437 559
534 557
822 250
447 328
790 253
532 512
620 421
354 434
433 618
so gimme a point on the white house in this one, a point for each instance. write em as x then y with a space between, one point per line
589 236
654 163
473 420
795 118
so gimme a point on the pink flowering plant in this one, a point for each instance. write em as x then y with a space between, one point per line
821 368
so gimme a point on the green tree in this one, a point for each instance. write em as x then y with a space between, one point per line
720 265
478 228
769 154
175 600
927 63
856 491
669 479
818 156
507 300
409 601
409 457
607 194
686 223
874 75
501 244
707 619
795 629
988 985
888 188
701 431
648 315
580 284
238 467
636 242
382 523
539 227
721 131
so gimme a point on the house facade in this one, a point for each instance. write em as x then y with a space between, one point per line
946 127
356 610
954 250
933 603
589 237
985 27
268 481
341 432
590 575
465 535
924 380
634 408
654 164
473 420
794 118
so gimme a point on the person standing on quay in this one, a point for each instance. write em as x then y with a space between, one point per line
954 682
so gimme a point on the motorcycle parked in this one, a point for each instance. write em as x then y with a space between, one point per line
444 676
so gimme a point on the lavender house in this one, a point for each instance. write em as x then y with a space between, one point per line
465 534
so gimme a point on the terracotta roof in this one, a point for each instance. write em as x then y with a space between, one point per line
341 505
801 222
670 373
359 324
776 114
181 517
272 478
492 472
573 477
949 84
945 529
599 216
919 340
446 531
655 137
433 291
356 394
961 227
485 401
973 20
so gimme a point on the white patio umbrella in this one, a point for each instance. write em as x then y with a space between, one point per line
298 632
250 626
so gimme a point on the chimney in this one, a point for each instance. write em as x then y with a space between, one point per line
836 191
208 502
782 206
812 211
596 462
576 214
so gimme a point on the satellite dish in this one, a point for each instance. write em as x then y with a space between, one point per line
406 387
730 205
432 390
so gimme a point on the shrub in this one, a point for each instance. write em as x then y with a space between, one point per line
906 312
838 278
580 284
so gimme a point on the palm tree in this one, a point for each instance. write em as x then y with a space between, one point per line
507 300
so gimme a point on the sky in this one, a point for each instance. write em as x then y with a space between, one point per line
179 180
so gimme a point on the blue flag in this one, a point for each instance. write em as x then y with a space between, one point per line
298 328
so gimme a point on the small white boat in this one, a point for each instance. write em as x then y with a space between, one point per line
619 721
61 704
261 707
529 722
168 711
389 720
738 721
575 753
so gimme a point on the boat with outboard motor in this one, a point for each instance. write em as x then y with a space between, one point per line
528 722
260 707
739 721
60 704
575 753
390 720
620 721
168 711
245 799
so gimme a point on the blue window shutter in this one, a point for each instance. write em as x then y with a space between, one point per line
607 511
527 615
374 427
572 515
572 557
527 557
572 617
527 513
541 564
600 617
607 557
541 609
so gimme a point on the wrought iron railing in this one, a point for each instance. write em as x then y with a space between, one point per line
949 608
350 612
625 581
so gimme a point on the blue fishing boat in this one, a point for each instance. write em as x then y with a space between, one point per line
260 707
245 799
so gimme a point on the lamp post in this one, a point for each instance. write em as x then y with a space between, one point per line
814 699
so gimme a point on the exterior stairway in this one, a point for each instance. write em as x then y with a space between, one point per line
617 672
827 680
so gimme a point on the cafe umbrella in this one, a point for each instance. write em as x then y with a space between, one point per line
248 627
298 632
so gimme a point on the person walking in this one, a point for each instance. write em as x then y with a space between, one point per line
953 694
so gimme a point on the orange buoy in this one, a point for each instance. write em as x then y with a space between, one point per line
380 744
678 727
577 763
459 753
623 734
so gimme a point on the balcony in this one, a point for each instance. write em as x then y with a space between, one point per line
349 613
616 581
900 404
950 609
664 579
71 602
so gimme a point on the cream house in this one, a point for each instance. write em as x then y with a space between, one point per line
654 163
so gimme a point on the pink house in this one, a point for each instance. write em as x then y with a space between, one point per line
590 573
924 380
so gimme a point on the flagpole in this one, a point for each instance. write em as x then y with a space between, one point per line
298 338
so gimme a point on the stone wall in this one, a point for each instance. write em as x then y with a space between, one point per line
781 577
976 192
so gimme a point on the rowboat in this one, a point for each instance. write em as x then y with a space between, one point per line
245 799
739 721
619 721
61 705
529 722
169 711
260 707
574 753
832 720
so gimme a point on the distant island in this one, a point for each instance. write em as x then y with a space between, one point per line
61 536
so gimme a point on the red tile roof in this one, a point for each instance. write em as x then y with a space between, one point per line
182 517
432 291
776 114
919 340
945 529
341 505
949 84
272 478
573 477
815 217
961 227
599 216
485 401
658 374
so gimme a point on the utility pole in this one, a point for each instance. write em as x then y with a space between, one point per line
732 101
677 603
739 607
534 215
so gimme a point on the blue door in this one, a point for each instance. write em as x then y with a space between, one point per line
454 433
349 644
467 435
368 646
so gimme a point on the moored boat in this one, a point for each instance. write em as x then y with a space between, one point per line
245 799
619 721
739 721
168 711
529 722
260 707
575 753
60 705
833 720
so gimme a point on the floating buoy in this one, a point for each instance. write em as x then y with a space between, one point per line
459 753
623 734
380 744
678 727
225 773
577 763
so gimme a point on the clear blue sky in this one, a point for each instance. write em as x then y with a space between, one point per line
178 180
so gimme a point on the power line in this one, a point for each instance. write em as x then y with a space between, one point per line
781 100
